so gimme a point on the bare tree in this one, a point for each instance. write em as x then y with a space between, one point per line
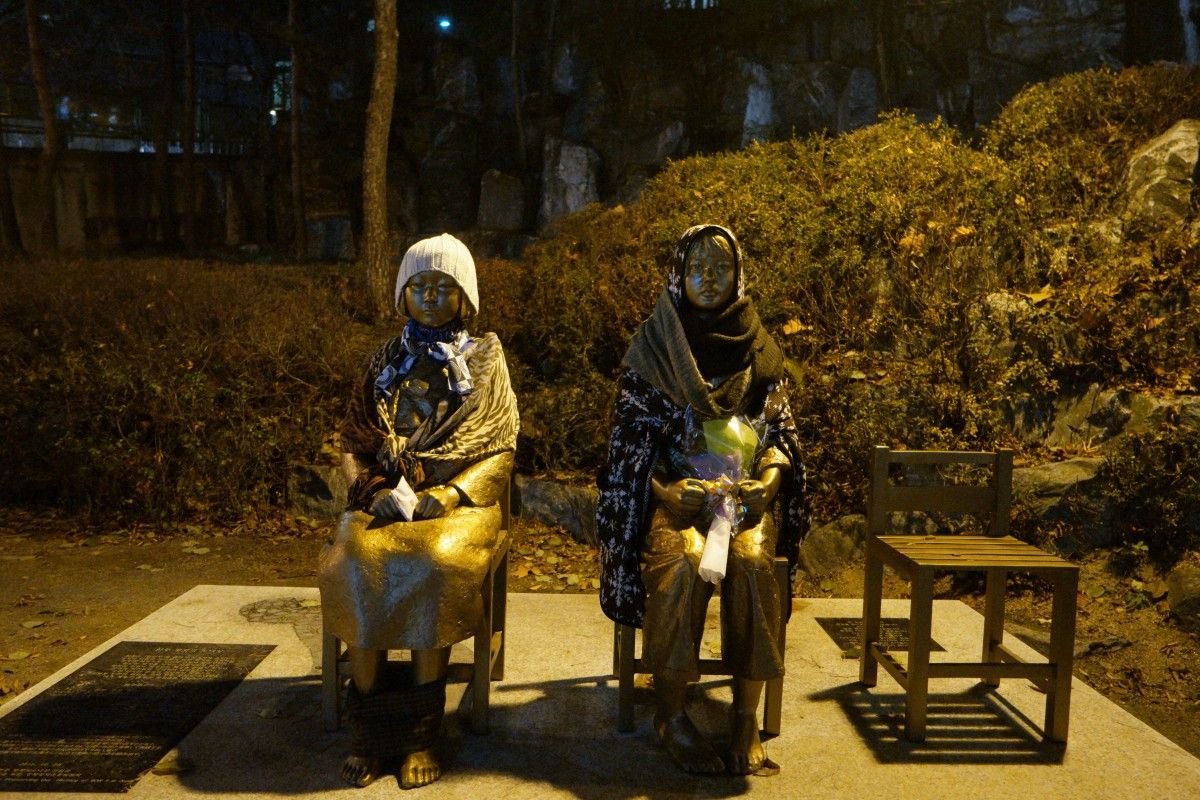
187 134
376 248
51 138
518 101
168 231
300 237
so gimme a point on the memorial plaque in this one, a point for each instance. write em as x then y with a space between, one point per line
102 727
847 633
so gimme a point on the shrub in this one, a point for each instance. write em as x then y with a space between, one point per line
166 388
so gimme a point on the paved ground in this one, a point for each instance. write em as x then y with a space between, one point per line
554 729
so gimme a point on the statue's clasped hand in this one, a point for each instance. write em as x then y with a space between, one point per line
436 501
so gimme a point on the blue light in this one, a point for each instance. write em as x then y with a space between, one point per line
444 23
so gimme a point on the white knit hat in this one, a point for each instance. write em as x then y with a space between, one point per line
443 254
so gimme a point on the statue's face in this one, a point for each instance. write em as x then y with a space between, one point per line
432 298
709 273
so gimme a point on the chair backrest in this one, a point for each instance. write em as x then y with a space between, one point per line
994 500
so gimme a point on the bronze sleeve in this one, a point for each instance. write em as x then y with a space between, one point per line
482 483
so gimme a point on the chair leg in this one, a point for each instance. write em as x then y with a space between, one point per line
331 694
773 700
920 622
1062 646
481 677
616 672
868 667
499 612
625 635
993 618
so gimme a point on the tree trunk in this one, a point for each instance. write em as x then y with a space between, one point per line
187 133
885 31
51 138
376 248
300 232
518 101
10 231
168 227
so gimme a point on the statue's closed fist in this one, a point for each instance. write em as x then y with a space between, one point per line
753 495
684 498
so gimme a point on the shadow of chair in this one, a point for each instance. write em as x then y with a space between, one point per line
488 645
918 558
627 664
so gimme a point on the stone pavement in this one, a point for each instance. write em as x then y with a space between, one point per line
553 719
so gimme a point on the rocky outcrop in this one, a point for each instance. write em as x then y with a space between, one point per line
834 545
569 179
552 502
858 105
1183 595
1162 174
318 489
501 202
1065 491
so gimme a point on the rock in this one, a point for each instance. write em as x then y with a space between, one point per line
833 545
994 81
1074 34
567 75
585 117
852 36
806 98
858 105
757 122
449 179
331 238
553 502
655 149
746 112
501 202
1162 174
1110 644
568 179
1183 595
457 85
1065 491
317 490
1099 416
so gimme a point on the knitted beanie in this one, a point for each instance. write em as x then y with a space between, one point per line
443 254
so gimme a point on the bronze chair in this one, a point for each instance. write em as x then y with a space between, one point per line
488 664
626 664
995 553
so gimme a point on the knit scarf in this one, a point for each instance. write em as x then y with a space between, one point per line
447 344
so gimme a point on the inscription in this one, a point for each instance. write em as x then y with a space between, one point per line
103 726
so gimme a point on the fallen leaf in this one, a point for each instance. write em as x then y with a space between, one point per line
309 602
572 580
858 375
18 655
144 566
33 623
1040 296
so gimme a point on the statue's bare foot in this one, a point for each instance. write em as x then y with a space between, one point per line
691 751
419 769
360 770
746 753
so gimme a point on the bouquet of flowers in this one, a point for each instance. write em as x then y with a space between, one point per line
723 452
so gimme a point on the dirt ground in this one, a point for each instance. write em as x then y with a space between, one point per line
66 586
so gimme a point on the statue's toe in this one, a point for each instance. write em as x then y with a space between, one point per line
688 747
419 769
360 770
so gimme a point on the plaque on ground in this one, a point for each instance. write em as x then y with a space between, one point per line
847 633
103 726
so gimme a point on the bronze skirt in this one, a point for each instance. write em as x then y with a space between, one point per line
407 585
677 599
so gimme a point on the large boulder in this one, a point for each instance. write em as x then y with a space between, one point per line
448 180
805 98
1101 415
552 502
747 102
1183 595
834 545
457 84
318 489
1162 174
1076 34
501 202
1065 491
569 179
858 105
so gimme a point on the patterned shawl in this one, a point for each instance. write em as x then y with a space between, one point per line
654 395
472 427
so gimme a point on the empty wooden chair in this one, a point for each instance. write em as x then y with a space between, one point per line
991 551
626 663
